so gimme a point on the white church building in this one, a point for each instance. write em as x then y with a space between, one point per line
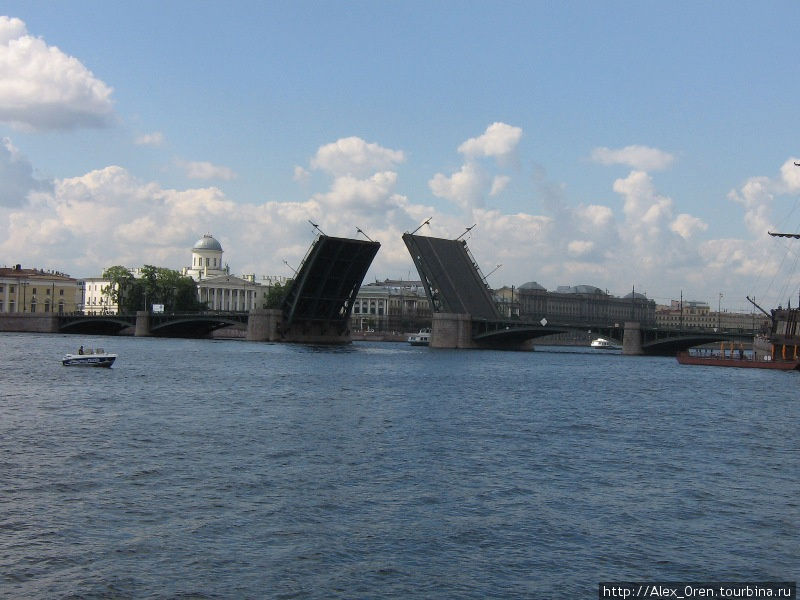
216 287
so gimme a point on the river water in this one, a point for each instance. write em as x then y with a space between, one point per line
229 469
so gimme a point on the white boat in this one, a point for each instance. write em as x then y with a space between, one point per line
89 358
421 338
603 344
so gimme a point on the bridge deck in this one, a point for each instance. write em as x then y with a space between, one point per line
328 280
451 278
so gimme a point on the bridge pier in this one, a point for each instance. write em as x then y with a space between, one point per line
267 325
264 324
451 330
454 330
632 339
142 328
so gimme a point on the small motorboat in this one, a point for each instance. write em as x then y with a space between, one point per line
603 344
421 338
89 358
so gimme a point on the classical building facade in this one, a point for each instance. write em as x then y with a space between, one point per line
391 306
582 304
217 288
37 291
691 314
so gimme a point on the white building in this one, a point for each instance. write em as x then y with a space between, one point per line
206 260
391 305
94 300
217 288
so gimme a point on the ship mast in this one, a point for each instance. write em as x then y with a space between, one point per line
753 302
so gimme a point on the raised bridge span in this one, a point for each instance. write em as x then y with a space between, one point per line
465 314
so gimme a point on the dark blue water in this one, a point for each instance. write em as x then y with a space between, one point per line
204 469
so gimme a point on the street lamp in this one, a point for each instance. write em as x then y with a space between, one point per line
719 312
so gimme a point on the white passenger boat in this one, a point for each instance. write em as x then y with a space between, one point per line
421 338
603 344
89 358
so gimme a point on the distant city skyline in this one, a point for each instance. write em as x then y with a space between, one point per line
616 145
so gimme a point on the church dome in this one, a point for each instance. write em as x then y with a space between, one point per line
207 242
531 285
635 295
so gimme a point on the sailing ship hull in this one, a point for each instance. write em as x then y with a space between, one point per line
746 362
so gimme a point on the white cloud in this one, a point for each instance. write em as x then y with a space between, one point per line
580 247
107 216
16 176
756 196
641 158
301 175
205 170
468 187
642 204
498 140
465 188
790 175
42 88
155 138
687 225
354 157
372 194
499 183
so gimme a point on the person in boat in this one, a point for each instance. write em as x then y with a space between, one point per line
80 350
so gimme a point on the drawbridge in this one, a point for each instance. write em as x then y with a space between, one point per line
465 314
322 293
451 277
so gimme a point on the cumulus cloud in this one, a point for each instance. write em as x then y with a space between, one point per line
499 183
371 194
355 157
301 175
205 170
687 225
465 188
155 138
641 158
642 203
16 176
42 88
756 196
468 187
84 224
498 140
580 247
790 175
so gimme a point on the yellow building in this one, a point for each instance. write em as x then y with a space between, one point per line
37 291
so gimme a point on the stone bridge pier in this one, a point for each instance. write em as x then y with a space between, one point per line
142 328
632 338
264 324
451 330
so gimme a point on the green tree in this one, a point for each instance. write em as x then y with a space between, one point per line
168 287
120 286
157 285
276 293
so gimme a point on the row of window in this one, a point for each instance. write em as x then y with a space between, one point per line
13 288
12 307
198 262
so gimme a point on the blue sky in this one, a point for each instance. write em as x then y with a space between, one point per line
616 144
